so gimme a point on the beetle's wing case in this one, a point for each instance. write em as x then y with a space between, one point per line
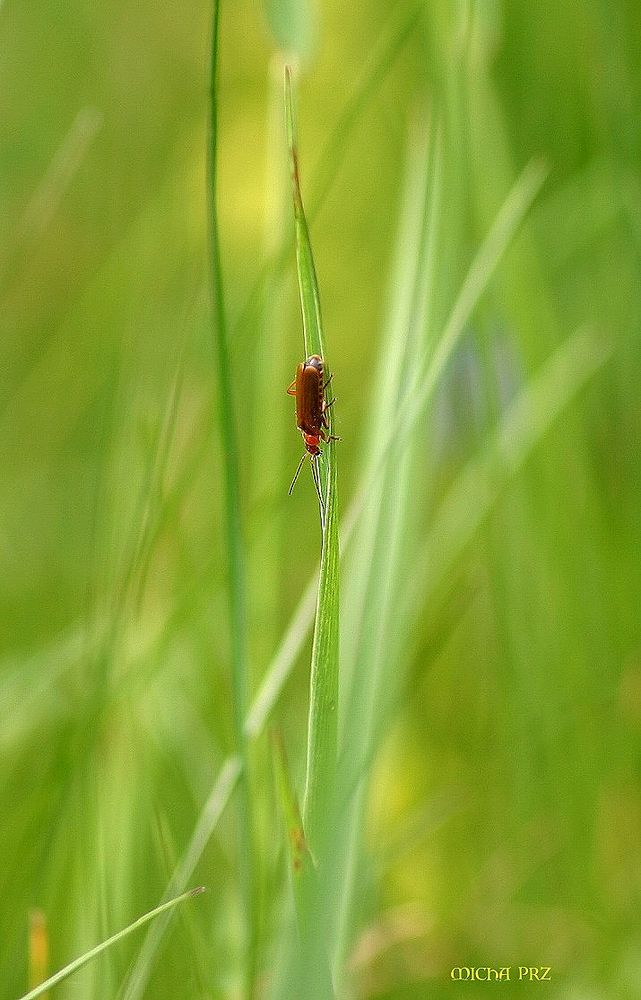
309 398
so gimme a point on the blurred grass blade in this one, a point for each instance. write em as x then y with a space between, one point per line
321 745
307 281
302 867
456 522
60 173
411 369
210 814
527 421
393 39
114 939
227 423
233 529
430 371
283 661
386 532
323 707
38 949
293 24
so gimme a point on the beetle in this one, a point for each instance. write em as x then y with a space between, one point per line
311 408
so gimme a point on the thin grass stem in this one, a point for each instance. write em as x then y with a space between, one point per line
78 963
233 528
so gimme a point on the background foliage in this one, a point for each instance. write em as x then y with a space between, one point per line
490 650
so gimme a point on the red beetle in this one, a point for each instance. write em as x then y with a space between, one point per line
311 407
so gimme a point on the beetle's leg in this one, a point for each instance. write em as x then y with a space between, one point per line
326 406
291 390
328 381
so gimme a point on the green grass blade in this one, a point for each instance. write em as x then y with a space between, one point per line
387 528
207 821
283 661
293 24
294 637
393 39
529 418
386 532
323 708
431 369
322 729
78 963
456 522
227 423
233 528
299 856
307 281
312 953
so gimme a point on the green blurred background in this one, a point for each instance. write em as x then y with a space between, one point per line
504 817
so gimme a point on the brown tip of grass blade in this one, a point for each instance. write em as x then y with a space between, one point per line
299 852
291 140
38 948
198 890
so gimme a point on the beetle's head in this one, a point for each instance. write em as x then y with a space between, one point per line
315 361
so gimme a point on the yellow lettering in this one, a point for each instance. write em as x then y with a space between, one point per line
492 973
504 974
523 971
546 973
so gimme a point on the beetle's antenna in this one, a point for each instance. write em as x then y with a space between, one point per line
296 474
